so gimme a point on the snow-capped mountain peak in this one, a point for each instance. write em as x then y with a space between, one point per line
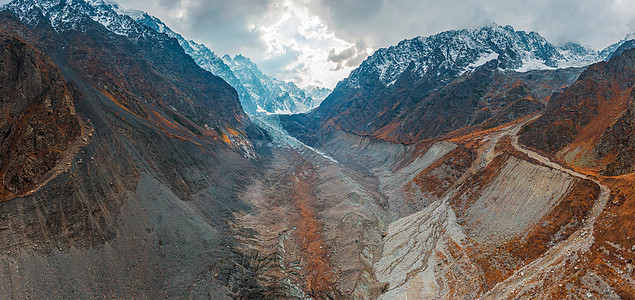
459 51
607 53
256 90
271 94
68 14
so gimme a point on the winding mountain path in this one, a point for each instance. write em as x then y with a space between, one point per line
578 241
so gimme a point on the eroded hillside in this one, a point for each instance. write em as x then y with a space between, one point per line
129 172
475 213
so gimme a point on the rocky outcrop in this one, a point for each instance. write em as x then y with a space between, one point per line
38 123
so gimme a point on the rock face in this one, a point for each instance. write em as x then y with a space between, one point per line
38 124
590 123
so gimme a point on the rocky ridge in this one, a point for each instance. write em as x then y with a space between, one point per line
39 123
258 92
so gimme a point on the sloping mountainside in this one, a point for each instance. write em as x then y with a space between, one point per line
144 71
485 97
476 214
130 172
122 161
204 57
39 123
590 124
258 92
399 80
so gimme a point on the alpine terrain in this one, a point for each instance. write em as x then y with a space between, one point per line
258 92
483 163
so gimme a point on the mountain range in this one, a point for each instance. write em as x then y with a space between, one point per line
258 92
480 163
402 82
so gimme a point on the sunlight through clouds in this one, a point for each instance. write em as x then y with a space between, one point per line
296 31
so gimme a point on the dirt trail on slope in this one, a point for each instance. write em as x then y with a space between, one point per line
580 240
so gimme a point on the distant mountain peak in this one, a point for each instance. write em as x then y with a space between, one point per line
65 15
458 51
488 23
273 95
258 92
609 51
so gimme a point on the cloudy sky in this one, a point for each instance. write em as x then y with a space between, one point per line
318 42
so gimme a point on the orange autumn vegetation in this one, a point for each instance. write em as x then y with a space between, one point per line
319 273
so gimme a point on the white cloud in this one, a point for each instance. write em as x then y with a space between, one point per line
597 23
298 31
319 41
283 37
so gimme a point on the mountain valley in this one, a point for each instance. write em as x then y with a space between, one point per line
481 163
